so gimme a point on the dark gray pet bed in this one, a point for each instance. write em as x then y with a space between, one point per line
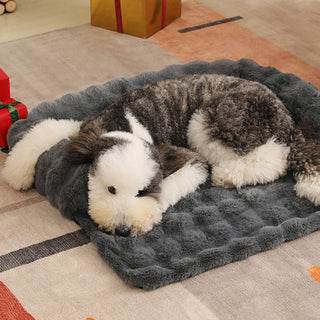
209 228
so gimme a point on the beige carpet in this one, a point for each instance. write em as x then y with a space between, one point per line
76 283
50 65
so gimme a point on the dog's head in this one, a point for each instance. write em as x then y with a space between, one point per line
124 180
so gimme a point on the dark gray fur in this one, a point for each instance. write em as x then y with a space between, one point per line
209 228
241 114
174 158
304 157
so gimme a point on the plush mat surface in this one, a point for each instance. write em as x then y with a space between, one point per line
210 227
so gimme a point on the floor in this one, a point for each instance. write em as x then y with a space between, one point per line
49 49
38 16
275 21
289 24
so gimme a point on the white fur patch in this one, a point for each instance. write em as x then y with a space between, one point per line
263 164
128 165
19 167
137 128
128 168
309 187
180 183
199 139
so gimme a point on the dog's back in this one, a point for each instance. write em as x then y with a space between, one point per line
165 109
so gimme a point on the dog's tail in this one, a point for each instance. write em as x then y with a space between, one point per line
304 161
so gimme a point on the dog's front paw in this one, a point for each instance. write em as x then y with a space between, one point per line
145 215
130 217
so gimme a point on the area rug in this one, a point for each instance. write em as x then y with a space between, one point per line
210 227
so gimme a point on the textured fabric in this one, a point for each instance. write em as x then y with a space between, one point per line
10 307
210 227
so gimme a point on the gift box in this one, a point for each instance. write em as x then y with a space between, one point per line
4 86
140 18
10 111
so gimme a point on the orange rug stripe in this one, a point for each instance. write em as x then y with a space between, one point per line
10 307
315 273
226 41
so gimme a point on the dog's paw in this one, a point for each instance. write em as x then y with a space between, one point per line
146 214
137 217
218 181
223 178
17 171
309 187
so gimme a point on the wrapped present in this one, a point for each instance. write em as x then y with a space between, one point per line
140 18
4 86
10 111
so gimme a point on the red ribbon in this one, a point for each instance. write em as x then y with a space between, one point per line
164 13
117 4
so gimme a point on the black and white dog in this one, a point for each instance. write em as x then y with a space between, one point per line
151 147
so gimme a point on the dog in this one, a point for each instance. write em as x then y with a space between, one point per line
154 145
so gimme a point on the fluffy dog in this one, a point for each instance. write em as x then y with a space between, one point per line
153 145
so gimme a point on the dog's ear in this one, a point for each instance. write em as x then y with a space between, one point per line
86 145
80 149
173 158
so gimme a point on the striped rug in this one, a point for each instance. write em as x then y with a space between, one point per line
48 267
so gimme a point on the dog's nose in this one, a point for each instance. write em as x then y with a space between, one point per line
123 231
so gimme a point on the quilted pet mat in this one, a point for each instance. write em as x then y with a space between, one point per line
210 227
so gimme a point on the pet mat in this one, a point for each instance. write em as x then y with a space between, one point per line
210 227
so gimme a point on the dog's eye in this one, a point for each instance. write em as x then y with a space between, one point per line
112 190
141 193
